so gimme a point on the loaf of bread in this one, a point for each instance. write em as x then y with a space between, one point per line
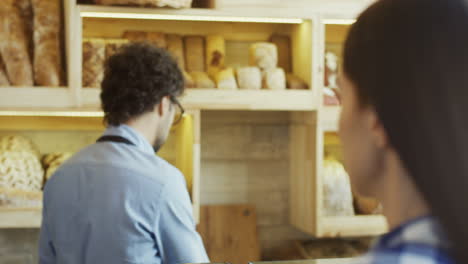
13 143
202 80
295 83
15 198
51 162
175 45
194 53
155 38
226 80
274 79
156 3
249 78
14 45
367 205
283 43
189 82
215 54
337 195
3 74
94 52
113 45
26 12
47 45
21 170
264 55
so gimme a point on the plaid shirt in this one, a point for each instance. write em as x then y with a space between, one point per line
420 241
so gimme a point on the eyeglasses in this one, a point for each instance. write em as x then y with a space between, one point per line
179 111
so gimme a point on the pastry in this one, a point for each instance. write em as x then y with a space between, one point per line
294 82
264 55
175 45
274 79
194 53
249 78
283 43
47 45
226 80
20 170
93 62
215 54
14 45
113 45
337 195
202 80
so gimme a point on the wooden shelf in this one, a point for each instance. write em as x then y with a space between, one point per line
214 99
36 97
330 118
353 226
21 218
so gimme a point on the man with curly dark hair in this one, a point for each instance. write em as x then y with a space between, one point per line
116 201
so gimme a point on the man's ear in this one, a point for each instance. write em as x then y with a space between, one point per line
377 130
163 106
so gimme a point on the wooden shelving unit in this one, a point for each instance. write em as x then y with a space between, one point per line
20 218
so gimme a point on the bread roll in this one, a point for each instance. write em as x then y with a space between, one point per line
113 45
194 53
93 62
283 43
189 82
156 38
14 45
215 54
175 45
157 3
226 80
294 82
3 74
274 79
249 78
264 55
202 80
47 44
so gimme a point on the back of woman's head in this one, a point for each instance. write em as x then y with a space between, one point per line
408 59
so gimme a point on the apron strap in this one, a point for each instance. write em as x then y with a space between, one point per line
116 139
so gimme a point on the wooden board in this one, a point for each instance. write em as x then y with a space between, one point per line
230 233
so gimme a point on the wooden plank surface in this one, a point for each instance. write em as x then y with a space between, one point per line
230 233
353 226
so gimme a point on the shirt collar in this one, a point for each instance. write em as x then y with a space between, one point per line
131 134
423 231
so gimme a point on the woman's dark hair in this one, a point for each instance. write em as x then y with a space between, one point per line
136 79
409 60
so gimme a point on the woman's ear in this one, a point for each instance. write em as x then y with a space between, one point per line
377 130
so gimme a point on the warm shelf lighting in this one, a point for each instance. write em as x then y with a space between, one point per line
192 18
339 21
53 113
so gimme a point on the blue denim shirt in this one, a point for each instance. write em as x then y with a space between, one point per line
118 203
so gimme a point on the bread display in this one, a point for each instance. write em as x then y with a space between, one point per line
194 53
3 75
47 46
113 45
175 45
274 79
17 144
264 55
94 52
188 80
283 43
295 83
154 3
51 162
202 80
215 54
337 195
156 38
14 198
249 78
226 80
14 45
